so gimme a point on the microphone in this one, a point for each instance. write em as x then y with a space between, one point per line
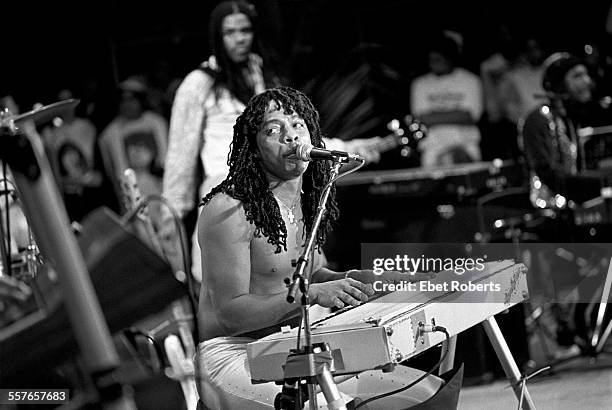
307 152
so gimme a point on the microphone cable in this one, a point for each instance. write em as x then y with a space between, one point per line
401 389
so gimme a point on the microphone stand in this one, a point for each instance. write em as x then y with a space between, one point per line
47 214
313 363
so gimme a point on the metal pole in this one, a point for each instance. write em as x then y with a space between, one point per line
49 221
302 282
596 342
507 361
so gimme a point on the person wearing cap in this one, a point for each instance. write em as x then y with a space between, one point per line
549 134
448 100
556 163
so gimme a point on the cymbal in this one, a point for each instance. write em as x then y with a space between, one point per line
48 112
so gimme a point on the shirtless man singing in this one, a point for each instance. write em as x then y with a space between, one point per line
251 227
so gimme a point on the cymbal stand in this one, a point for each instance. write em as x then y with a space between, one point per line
4 253
312 363
45 210
5 248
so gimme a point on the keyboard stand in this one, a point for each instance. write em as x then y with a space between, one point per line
503 354
507 361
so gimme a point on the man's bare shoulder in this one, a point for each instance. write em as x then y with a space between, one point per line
223 212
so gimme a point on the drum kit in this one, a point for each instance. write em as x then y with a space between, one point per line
33 215
21 257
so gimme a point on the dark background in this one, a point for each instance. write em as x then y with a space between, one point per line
50 45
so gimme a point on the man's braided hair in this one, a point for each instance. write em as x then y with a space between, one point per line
248 183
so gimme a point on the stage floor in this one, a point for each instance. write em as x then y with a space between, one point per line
578 384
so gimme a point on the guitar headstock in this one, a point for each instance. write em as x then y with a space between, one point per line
408 136
416 128
416 132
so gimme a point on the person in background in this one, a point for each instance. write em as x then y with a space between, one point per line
522 89
70 128
133 118
550 132
448 100
556 162
205 108
141 151
70 143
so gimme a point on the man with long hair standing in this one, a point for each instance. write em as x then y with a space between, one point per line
206 106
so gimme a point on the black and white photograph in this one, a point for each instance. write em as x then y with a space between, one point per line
306 204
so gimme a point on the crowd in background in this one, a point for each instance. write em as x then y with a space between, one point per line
89 152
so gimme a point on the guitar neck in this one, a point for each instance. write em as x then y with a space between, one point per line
389 142
398 137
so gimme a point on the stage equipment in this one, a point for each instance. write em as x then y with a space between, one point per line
22 148
386 331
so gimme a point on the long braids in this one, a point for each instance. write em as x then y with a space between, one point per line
248 183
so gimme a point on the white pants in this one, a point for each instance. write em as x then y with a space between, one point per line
225 381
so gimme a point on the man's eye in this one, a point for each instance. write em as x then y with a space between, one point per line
299 125
273 130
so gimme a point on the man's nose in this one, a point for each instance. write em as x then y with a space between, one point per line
291 136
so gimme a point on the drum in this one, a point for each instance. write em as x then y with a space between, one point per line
24 255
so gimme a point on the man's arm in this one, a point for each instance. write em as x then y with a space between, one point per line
225 237
184 135
367 276
368 148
